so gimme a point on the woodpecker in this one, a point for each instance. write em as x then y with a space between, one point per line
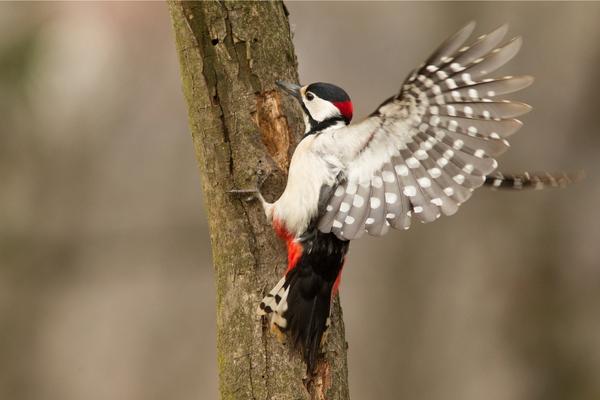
417 157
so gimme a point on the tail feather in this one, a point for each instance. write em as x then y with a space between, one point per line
535 181
300 302
270 302
310 303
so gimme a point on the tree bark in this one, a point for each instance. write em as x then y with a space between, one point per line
231 53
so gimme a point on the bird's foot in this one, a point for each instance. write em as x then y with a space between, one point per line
253 193
250 194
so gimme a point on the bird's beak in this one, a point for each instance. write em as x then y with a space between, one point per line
290 88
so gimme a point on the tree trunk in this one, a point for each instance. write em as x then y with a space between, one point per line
231 53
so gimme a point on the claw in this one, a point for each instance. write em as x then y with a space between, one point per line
253 193
242 191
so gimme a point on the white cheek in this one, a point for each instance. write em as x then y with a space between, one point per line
320 109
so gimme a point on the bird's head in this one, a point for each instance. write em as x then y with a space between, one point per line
323 104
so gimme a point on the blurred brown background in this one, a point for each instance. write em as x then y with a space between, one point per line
106 285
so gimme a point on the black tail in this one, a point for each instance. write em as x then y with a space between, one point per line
301 301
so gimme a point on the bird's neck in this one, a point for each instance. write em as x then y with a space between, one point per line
315 127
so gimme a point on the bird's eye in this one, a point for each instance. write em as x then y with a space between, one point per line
310 96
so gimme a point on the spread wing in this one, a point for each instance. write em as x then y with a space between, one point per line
423 151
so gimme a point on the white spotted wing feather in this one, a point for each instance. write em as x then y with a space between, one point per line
423 152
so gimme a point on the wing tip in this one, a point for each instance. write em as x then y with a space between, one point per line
499 32
527 108
529 79
469 26
517 42
524 80
503 28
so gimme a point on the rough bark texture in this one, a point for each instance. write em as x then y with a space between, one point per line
231 54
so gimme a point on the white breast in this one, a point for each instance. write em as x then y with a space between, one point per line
307 174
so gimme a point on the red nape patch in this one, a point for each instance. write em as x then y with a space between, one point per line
338 280
294 249
345 108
